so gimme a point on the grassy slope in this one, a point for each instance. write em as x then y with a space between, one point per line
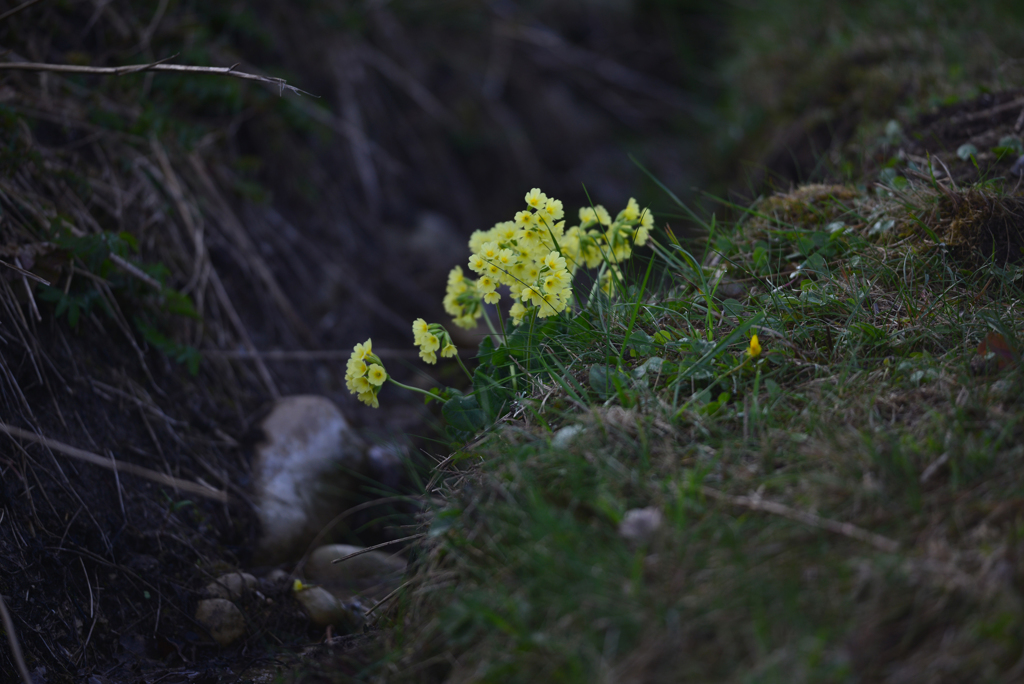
864 408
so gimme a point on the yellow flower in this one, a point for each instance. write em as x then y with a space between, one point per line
477 263
361 350
365 374
504 231
375 375
419 329
554 261
486 284
356 367
631 212
755 347
525 219
611 276
435 337
517 312
553 209
489 250
536 199
359 385
588 217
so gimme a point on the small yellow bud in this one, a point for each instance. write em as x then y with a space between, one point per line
755 347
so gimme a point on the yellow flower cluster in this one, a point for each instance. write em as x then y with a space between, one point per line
365 374
430 337
536 257
462 299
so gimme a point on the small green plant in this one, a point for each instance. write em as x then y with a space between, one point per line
105 256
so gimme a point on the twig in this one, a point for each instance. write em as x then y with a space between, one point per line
387 598
337 519
147 35
12 639
991 111
95 459
159 65
934 466
117 481
23 6
846 529
27 274
368 549
236 321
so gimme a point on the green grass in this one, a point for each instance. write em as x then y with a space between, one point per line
868 405
832 75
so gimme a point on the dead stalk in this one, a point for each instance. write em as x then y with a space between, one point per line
368 549
95 459
23 6
12 639
160 65
846 529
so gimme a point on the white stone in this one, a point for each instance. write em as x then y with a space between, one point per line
373 573
233 585
222 620
640 524
302 472
565 436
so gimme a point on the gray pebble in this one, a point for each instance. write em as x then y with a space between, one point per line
1018 167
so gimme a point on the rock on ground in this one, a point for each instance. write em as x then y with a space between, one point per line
303 471
222 619
373 573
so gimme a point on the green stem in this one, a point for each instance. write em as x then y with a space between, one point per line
636 310
490 324
412 389
464 369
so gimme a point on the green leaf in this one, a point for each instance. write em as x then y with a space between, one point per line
642 342
182 354
464 413
176 303
966 151
652 365
663 337
733 307
492 396
606 380
491 356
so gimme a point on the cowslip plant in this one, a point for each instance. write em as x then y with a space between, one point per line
534 259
